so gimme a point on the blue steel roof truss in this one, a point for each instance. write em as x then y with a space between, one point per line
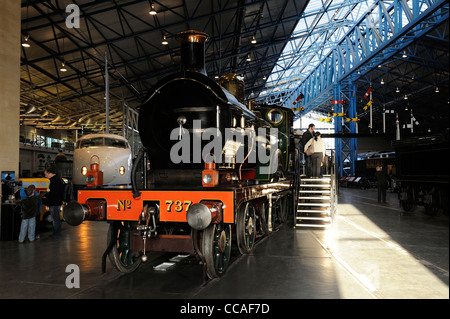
376 38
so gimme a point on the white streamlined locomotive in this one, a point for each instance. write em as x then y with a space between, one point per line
109 153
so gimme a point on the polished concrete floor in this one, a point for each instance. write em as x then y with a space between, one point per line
373 251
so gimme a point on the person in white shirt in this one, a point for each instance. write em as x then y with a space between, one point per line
318 156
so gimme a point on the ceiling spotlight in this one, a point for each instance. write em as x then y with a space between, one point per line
63 67
29 108
164 41
406 97
253 40
26 44
397 90
404 55
382 81
437 90
152 10
249 58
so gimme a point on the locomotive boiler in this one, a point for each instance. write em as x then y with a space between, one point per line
211 172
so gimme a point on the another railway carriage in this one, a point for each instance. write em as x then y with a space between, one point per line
109 152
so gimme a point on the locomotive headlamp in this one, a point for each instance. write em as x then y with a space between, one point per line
84 170
210 176
207 179
90 179
122 170
94 176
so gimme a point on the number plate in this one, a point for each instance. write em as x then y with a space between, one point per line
174 205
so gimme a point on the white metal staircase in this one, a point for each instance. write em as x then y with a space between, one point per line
316 202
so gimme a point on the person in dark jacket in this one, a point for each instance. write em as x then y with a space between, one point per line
54 198
30 209
21 194
309 134
381 183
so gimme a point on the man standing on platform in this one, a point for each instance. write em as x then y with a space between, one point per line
309 134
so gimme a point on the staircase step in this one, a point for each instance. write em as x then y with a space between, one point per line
315 185
314 191
315 204
314 211
315 179
324 175
314 218
315 197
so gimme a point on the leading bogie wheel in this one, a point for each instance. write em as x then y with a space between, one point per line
122 255
216 248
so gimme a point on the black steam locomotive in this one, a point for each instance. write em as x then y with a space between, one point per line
423 172
211 172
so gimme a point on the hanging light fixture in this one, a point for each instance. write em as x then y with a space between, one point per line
249 58
397 90
26 44
63 67
437 90
152 9
382 81
404 55
253 40
164 41
406 97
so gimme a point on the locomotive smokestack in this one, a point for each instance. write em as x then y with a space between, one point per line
192 50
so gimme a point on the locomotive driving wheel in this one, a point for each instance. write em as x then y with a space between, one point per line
246 228
216 248
121 254
408 202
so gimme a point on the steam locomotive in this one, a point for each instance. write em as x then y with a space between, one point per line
211 171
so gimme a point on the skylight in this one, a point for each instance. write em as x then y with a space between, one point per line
321 26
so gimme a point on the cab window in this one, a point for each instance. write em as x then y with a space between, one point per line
97 141
275 116
114 142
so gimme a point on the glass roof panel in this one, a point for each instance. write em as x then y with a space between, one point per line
320 27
